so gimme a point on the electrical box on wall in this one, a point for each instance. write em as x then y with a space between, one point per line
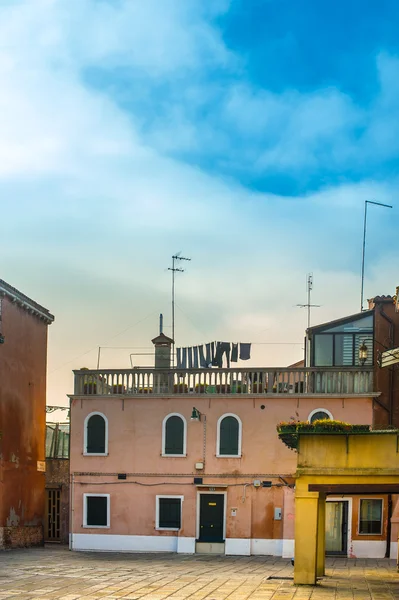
257 483
199 465
277 514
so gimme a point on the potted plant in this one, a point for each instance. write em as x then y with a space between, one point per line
200 388
118 389
145 390
223 388
180 388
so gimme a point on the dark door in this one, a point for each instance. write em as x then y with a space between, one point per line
337 528
211 517
53 515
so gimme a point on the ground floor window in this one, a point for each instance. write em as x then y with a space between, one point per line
168 512
370 516
96 511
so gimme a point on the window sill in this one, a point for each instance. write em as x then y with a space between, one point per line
96 526
95 453
174 455
228 455
167 528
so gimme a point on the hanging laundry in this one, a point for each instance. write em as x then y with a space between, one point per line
190 357
213 347
222 348
181 360
245 351
195 357
234 352
208 358
217 356
202 362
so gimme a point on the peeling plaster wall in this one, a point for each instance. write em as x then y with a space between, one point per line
22 423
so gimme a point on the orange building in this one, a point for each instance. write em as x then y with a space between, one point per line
23 356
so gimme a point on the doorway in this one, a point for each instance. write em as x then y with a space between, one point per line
211 518
53 499
337 527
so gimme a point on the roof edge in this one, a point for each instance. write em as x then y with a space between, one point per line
25 302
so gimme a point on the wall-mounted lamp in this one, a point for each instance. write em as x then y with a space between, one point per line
195 415
363 353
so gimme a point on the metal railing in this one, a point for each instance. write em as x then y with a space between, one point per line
265 381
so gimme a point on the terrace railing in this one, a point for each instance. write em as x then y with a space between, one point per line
264 381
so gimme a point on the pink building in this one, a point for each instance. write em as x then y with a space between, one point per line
189 461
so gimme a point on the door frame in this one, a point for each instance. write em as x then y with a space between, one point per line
349 525
198 519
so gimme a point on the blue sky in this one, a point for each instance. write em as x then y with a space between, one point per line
247 134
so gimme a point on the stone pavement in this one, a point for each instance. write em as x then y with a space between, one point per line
55 573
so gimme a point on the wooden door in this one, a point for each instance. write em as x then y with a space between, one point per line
53 498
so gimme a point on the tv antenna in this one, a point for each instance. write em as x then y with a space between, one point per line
174 270
309 282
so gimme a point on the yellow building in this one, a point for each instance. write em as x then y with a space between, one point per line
332 465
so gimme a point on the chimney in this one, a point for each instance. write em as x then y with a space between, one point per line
163 380
163 346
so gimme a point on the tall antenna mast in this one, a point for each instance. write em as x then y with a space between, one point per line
174 270
309 282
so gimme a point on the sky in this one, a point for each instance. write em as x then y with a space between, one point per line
246 134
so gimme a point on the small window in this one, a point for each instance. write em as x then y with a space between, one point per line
229 436
174 428
168 512
319 414
323 350
96 434
370 521
96 510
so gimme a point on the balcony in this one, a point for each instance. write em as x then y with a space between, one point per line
268 382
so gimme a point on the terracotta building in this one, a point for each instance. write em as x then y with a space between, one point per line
188 460
23 356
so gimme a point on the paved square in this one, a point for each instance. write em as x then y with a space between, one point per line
54 572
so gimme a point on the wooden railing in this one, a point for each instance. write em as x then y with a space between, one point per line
266 381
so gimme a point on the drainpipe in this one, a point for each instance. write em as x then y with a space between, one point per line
389 527
391 339
71 511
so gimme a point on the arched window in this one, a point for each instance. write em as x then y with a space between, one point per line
318 414
229 436
174 429
96 434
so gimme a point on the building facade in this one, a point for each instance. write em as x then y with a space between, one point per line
23 356
189 460
56 524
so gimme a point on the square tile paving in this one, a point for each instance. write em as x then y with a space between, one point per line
56 573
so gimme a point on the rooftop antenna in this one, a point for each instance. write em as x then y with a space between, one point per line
309 282
174 270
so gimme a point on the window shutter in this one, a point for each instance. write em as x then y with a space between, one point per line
96 435
170 513
174 435
229 432
96 511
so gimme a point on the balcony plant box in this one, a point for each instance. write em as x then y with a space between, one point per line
180 388
223 388
145 390
200 388
288 432
90 387
118 389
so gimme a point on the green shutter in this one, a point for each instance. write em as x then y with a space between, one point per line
96 435
96 512
174 435
229 432
170 513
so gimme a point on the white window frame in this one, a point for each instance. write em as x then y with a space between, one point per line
85 525
163 453
157 511
218 455
86 421
382 516
316 410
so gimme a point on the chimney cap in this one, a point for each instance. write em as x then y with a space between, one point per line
162 340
